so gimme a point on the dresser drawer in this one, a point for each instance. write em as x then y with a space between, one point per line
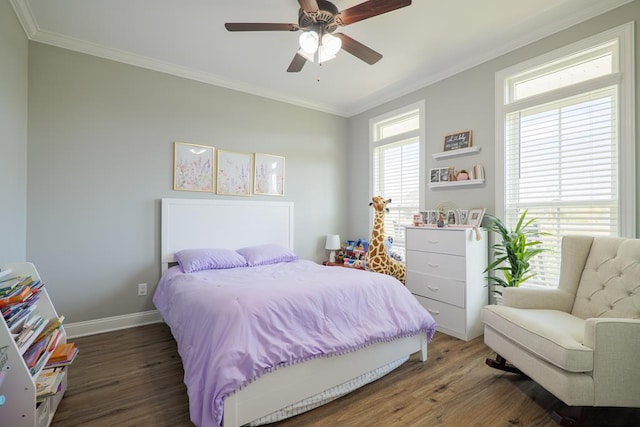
443 265
436 287
449 319
441 241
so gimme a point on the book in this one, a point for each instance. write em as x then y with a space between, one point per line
62 352
34 352
8 286
65 362
53 325
15 320
48 382
29 333
19 295
41 349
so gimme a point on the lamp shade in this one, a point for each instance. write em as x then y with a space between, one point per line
309 41
333 242
331 44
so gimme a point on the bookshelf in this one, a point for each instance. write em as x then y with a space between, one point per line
19 386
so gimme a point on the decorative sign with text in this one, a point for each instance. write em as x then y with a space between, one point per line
457 140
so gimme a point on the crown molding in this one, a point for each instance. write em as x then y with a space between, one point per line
25 16
30 26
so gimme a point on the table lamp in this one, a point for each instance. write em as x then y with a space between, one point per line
332 244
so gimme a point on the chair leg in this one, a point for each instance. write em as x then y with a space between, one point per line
501 363
579 419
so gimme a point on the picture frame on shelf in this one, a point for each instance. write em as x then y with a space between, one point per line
268 176
431 217
475 216
456 141
192 167
451 217
234 173
434 175
464 214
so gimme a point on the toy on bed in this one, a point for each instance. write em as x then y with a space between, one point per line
377 258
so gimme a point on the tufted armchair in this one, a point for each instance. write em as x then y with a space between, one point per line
580 341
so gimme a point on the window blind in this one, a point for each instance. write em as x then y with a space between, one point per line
397 176
561 164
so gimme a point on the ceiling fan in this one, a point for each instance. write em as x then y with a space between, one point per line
318 19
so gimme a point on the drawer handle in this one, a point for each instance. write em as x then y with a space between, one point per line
436 312
433 242
433 288
433 265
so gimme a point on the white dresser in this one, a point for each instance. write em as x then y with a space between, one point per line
445 272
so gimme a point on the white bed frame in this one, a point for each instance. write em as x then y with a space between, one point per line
202 223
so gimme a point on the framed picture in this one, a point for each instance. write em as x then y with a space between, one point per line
458 140
269 175
434 175
431 217
475 216
234 173
444 174
192 167
451 217
464 213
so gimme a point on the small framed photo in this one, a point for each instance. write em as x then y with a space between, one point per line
434 175
444 174
475 216
192 167
431 217
269 175
234 173
464 214
451 217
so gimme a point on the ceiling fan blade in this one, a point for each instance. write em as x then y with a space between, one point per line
358 50
296 64
369 9
260 26
309 5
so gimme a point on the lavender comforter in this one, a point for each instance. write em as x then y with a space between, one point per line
234 325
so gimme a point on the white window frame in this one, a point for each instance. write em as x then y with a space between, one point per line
623 75
374 143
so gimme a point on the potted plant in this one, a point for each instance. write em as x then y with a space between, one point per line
514 253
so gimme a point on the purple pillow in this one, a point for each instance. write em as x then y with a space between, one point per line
267 254
192 260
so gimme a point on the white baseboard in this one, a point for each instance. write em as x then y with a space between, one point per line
108 324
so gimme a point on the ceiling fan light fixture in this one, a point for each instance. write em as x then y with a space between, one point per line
309 41
305 55
331 44
324 55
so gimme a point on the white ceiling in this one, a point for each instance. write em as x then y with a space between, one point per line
422 43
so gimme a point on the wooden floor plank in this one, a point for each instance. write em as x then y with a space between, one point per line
134 377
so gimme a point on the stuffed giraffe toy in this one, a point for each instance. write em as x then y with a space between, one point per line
377 259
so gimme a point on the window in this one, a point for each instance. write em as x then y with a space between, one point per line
566 125
397 172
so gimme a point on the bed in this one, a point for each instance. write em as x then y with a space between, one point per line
322 345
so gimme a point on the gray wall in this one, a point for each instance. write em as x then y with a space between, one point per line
462 102
100 141
100 156
13 136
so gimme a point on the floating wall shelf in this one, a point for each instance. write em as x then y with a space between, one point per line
456 153
456 183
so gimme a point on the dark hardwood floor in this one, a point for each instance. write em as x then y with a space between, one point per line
134 377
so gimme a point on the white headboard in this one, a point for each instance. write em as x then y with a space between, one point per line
229 224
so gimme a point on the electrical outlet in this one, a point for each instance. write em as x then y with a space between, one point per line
142 289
